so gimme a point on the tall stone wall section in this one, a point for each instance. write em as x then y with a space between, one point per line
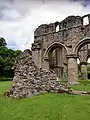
71 32
29 80
32 73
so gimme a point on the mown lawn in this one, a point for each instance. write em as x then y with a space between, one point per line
83 85
44 107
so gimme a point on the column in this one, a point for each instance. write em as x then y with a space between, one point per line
84 71
72 69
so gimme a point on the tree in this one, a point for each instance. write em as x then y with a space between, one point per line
17 52
2 42
7 57
1 65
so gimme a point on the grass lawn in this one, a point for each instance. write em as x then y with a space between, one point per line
84 85
44 107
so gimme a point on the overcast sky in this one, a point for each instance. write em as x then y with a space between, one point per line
19 18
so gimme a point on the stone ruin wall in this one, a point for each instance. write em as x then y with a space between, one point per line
29 80
32 75
71 32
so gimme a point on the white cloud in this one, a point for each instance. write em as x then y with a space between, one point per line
10 14
19 23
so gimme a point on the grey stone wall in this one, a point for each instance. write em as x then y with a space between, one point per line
32 72
29 80
70 35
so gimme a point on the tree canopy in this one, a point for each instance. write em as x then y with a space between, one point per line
7 56
2 42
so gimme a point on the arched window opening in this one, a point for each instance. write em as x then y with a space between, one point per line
85 21
78 61
88 61
57 28
84 63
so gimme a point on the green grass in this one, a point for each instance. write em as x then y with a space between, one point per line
44 107
83 85
5 79
4 86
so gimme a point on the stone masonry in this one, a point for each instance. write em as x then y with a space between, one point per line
29 80
53 56
58 49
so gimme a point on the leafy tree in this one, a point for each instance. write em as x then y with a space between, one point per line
17 52
1 62
7 56
1 65
2 42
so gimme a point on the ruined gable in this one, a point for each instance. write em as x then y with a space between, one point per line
29 80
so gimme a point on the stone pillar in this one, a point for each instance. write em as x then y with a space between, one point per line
72 69
84 71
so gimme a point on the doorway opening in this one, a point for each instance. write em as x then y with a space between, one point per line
57 61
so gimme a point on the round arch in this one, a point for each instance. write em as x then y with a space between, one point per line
81 43
54 45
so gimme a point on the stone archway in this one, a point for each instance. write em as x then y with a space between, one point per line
53 45
55 56
80 44
69 35
83 50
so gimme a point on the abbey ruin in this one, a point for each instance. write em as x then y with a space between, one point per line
53 57
58 45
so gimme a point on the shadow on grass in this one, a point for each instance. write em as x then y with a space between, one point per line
3 79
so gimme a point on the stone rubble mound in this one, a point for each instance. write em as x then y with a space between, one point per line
29 80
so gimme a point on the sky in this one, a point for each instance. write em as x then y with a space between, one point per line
20 18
